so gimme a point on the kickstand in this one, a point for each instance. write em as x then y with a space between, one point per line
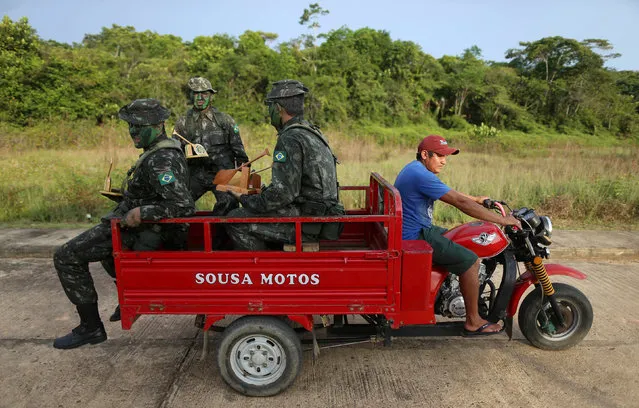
508 326
316 349
205 345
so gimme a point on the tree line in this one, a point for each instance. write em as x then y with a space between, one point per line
354 76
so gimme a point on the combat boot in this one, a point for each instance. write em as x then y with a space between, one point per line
90 331
115 317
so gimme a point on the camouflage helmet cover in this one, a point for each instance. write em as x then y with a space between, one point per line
144 112
285 89
200 84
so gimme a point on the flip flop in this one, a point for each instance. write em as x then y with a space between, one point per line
480 331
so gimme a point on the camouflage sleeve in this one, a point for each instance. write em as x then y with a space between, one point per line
168 175
286 178
236 142
180 128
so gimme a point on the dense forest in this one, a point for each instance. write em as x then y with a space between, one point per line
362 76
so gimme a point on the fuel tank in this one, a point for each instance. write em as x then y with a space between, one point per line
483 238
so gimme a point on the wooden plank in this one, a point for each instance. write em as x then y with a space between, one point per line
306 247
239 190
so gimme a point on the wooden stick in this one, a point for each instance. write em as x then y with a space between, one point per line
264 153
261 170
182 137
107 180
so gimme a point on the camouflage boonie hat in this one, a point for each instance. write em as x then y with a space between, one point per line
199 84
144 112
285 89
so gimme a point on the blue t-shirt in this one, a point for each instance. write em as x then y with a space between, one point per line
419 189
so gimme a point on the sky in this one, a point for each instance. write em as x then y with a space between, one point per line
440 27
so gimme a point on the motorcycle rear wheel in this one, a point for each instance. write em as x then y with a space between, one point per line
576 311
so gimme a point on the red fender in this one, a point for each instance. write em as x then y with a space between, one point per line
528 279
304 320
209 320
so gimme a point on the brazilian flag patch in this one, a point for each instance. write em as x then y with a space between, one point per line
279 156
166 178
236 129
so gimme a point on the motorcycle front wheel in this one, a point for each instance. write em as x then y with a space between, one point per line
539 325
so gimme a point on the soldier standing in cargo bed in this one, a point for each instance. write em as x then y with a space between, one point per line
303 180
217 132
156 188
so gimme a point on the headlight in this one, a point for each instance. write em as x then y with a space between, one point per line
545 221
544 233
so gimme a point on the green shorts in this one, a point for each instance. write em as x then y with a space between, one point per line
454 257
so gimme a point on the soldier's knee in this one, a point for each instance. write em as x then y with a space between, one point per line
236 212
61 256
65 256
225 204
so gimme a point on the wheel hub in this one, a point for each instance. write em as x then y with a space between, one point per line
555 331
258 359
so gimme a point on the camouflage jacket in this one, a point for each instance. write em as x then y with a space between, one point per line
219 135
304 170
158 183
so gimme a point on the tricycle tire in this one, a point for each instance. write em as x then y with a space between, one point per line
576 310
259 356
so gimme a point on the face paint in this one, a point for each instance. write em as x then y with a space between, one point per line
201 100
274 113
143 136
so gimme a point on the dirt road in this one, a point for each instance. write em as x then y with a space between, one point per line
156 364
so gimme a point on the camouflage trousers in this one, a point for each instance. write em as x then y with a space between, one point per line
202 181
72 259
257 236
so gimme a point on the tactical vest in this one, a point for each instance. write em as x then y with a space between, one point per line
219 120
317 230
163 144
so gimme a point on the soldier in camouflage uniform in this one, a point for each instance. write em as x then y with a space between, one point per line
156 188
303 181
217 132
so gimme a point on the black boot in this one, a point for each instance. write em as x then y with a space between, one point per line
90 331
115 317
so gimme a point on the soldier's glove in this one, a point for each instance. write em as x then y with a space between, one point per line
133 218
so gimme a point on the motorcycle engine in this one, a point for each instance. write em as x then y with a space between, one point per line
451 302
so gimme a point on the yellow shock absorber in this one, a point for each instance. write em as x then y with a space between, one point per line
539 269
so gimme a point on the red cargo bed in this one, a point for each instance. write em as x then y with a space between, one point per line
360 273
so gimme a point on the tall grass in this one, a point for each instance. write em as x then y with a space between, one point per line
577 185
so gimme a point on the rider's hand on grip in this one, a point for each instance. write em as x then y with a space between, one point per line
512 223
511 229
488 203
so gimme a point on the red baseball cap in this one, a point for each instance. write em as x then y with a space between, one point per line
437 144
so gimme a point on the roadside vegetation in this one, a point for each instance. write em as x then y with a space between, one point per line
579 186
549 127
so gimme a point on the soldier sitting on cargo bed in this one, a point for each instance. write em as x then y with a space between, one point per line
303 181
157 188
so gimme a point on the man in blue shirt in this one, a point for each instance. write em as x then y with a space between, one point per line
419 188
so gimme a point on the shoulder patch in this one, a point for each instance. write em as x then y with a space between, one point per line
166 178
236 129
279 156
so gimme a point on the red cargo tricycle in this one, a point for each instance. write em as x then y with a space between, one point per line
389 284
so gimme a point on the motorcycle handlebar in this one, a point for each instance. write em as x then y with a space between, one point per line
495 205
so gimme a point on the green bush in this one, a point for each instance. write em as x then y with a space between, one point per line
483 132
